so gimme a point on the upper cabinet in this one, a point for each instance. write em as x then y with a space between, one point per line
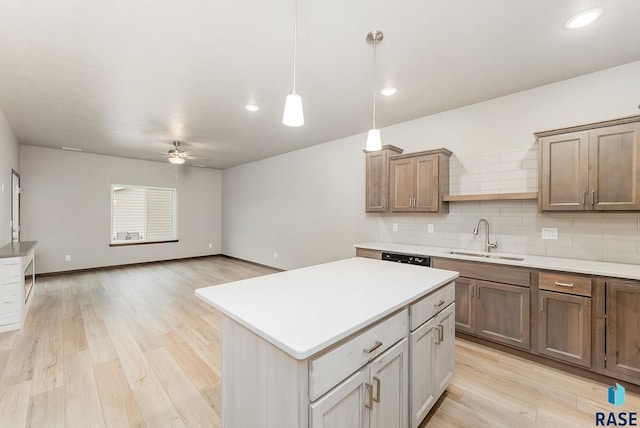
419 180
377 199
594 167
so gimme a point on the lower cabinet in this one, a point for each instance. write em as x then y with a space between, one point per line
564 327
623 329
374 397
502 313
499 312
432 362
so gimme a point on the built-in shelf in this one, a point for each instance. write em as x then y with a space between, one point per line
491 197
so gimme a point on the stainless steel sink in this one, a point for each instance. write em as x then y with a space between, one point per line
486 255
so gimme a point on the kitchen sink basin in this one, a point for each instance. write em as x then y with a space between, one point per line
486 255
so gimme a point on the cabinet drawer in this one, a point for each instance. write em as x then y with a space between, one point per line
563 283
370 254
9 304
10 280
329 369
9 318
430 305
486 271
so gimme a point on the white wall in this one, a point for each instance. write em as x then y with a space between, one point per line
66 207
8 161
309 205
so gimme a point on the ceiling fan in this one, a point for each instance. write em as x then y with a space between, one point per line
177 156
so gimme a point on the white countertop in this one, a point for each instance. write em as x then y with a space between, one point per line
303 311
590 267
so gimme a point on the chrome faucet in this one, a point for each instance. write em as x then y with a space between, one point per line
488 245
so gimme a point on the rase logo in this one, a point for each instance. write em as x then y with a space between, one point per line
620 419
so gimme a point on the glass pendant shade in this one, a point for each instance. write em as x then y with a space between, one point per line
293 114
176 160
374 142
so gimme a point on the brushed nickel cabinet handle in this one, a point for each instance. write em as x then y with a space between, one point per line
440 303
593 199
410 202
564 284
542 304
440 337
369 403
584 197
473 290
376 381
373 348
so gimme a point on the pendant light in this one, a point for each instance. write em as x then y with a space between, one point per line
293 114
374 142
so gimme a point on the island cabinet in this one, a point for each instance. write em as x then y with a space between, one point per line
492 301
17 281
594 167
622 344
357 343
564 317
419 180
377 184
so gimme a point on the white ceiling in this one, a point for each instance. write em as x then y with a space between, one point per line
125 78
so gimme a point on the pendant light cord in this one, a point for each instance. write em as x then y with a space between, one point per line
374 80
295 41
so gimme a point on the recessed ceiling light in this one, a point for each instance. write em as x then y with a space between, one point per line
388 91
583 18
252 107
199 165
71 149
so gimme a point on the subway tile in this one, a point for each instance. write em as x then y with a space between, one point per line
513 175
622 257
574 253
621 234
530 164
606 244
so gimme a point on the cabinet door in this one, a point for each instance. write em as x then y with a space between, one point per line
502 313
377 181
614 168
426 183
423 373
343 406
402 180
564 327
465 304
444 348
564 172
623 327
390 388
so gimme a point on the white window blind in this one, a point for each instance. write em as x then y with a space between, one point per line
143 214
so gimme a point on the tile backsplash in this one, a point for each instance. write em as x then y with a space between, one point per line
515 224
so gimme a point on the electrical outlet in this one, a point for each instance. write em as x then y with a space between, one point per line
67 257
275 255
430 228
394 226
210 245
549 233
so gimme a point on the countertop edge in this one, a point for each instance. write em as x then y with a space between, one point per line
597 268
24 247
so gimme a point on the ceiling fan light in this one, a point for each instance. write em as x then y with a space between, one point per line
293 114
176 160
374 142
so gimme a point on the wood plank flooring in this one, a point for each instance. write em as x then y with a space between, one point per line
132 346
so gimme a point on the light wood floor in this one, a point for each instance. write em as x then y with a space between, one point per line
132 346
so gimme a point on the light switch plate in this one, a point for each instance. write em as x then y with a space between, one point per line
430 228
549 233
395 227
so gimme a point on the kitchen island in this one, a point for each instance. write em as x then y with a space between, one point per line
329 345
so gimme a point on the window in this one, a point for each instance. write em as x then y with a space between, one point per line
142 214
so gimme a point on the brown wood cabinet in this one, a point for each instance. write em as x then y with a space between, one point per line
377 183
502 313
369 254
623 329
419 180
492 301
564 317
594 167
